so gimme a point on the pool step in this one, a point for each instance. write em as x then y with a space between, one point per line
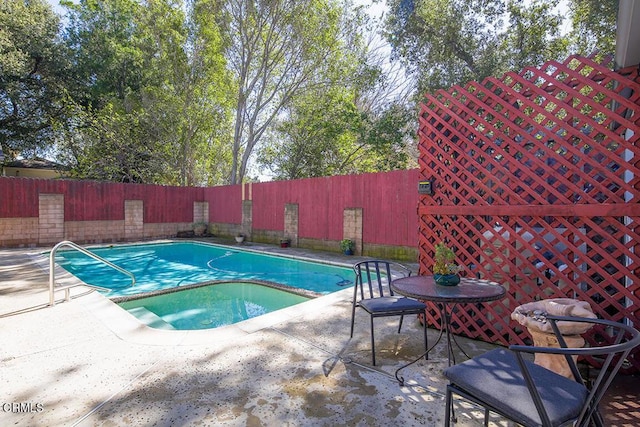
149 318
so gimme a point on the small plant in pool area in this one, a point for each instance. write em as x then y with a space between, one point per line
444 260
347 246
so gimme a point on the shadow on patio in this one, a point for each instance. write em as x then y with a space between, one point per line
87 363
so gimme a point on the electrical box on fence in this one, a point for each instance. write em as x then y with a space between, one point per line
425 187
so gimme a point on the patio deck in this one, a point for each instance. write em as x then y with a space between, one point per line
87 363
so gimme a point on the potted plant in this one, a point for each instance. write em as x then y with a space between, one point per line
347 246
239 237
445 270
200 228
285 242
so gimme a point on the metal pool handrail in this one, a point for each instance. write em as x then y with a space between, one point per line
52 269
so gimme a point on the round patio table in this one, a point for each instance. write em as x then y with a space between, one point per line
424 288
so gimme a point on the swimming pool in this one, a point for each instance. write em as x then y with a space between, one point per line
161 266
193 285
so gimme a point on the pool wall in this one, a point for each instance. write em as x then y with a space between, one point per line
296 291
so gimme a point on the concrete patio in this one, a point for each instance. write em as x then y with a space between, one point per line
87 363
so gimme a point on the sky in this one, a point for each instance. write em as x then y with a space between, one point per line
56 6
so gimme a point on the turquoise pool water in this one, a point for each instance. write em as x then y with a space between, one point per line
210 306
169 265
167 294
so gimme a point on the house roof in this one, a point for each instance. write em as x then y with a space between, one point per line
35 163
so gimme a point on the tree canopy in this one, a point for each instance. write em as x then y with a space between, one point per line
33 77
352 120
278 51
152 90
203 92
447 42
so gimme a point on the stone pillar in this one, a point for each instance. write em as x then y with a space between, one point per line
201 212
247 218
133 219
352 227
291 223
50 218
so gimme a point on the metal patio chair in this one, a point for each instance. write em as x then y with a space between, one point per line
373 294
502 381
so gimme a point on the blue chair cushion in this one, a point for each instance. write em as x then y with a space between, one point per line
496 378
391 304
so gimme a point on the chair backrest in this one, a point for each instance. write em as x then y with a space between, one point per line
373 277
619 340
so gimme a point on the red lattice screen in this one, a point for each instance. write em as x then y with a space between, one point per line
536 187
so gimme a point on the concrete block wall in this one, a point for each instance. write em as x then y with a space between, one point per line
93 231
51 218
45 212
133 219
291 223
247 218
165 230
352 227
17 232
200 212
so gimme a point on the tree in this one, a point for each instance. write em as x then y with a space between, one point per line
327 133
389 137
316 137
152 84
275 48
444 42
447 42
534 35
190 104
111 53
32 77
593 26
356 123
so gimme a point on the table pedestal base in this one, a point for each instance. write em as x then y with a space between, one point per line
424 288
446 310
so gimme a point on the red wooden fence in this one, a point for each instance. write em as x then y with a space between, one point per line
536 187
388 201
94 201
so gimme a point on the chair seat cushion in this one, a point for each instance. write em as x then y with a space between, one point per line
496 378
391 304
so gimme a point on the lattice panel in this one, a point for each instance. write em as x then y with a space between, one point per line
536 187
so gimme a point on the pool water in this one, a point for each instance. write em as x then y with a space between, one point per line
209 306
193 285
169 265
